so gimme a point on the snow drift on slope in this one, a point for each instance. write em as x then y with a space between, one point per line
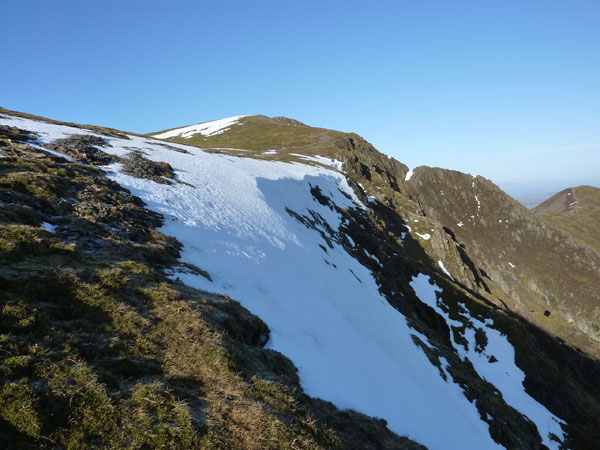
501 371
205 129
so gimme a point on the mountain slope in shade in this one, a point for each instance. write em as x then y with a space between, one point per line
512 256
357 270
576 211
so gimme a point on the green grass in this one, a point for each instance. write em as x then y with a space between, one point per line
260 133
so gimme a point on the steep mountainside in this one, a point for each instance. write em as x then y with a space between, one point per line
576 211
510 256
475 228
393 292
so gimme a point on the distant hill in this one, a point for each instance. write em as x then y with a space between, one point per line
576 211
529 200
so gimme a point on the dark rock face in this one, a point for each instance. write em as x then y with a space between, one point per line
362 161
14 134
135 164
84 148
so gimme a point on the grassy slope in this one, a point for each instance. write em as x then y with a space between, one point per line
98 349
261 133
581 220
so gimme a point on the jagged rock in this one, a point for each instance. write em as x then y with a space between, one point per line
84 148
135 164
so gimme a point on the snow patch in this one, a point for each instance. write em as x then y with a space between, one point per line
47 132
501 371
373 257
350 346
441 264
48 226
409 174
211 128
425 236
321 160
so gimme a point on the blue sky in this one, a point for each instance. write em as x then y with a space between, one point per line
509 90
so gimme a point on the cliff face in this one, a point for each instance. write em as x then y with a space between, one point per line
491 244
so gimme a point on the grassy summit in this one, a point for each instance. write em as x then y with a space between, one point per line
262 133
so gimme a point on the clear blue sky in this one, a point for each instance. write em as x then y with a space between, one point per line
506 89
